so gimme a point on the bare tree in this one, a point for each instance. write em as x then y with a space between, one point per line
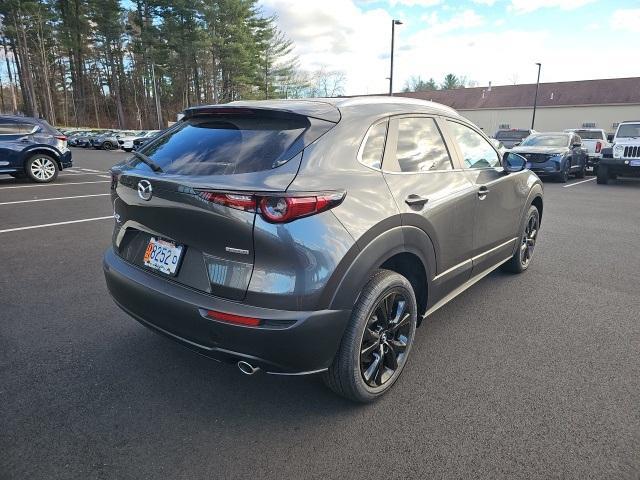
328 83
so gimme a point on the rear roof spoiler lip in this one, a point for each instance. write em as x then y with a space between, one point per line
334 118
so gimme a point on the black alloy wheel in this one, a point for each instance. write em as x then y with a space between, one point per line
377 342
385 339
528 243
521 259
563 176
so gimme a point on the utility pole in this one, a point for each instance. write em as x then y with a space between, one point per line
535 99
393 34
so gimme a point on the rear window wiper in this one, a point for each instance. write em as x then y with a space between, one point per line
154 166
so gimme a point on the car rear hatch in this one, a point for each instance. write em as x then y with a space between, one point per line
193 192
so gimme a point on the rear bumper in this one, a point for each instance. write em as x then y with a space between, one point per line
308 345
65 160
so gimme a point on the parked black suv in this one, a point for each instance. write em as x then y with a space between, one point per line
314 235
31 147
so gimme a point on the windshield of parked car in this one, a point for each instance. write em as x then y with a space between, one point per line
628 130
512 134
546 141
589 134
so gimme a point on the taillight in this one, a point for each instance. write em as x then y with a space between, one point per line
235 319
276 208
286 209
233 200
61 137
598 147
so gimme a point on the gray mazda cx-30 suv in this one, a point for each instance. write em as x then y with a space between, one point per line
309 236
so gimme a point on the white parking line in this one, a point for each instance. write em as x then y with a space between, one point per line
56 198
91 170
55 224
578 183
52 184
76 174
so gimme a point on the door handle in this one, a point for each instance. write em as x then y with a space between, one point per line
482 192
414 200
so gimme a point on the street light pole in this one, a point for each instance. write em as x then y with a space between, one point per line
535 99
393 34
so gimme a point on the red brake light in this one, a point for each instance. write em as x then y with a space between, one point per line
235 319
276 209
286 209
61 137
598 147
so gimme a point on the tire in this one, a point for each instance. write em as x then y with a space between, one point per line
384 340
128 150
42 168
582 172
602 175
563 176
521 259
107 146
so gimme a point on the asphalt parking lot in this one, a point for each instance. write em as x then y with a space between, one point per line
530 376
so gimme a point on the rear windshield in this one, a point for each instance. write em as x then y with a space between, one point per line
589 134
546 141
225 145
512 134
627 130
48 128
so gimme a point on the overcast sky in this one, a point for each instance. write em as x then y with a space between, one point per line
484 40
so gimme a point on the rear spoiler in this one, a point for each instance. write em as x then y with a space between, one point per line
311 109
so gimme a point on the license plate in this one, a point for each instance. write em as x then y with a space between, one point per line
589 169
634 163
163 255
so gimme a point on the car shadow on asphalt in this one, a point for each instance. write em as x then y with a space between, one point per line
158 369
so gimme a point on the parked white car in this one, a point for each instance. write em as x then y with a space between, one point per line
126 141
594 140
624 157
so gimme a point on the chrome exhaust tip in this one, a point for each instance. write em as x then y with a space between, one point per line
247 368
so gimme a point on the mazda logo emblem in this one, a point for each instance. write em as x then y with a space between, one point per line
144 189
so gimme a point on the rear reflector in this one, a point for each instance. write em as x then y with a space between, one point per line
235 319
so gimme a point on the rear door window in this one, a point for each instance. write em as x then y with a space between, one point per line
8 127
420 147
590 134
225 144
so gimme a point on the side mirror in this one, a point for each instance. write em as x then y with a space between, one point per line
512 162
